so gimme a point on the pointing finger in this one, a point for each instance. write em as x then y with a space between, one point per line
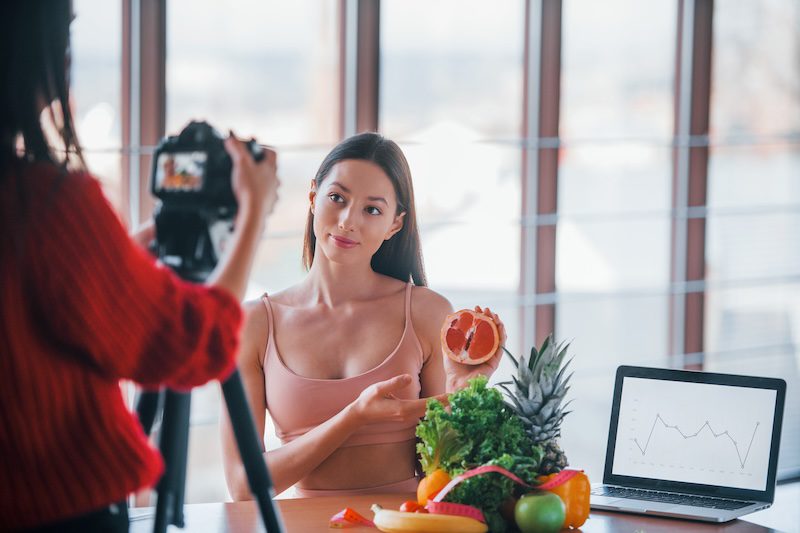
396 383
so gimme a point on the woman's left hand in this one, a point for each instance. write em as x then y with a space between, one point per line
459 374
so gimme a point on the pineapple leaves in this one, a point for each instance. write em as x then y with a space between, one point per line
541 384
534 353
516 363
511 394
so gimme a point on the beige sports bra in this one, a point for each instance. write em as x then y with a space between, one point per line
297 404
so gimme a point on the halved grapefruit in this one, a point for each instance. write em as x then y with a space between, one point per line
469 337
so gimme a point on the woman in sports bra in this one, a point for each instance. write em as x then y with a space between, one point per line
345 360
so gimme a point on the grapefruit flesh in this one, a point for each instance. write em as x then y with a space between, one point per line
469 337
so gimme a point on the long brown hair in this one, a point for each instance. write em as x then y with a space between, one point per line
35 64
401 256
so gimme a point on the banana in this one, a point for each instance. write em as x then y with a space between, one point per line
401 522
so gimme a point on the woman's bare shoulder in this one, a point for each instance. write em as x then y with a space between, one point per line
286 297
427 301
253 309
255 332
428 311
388 286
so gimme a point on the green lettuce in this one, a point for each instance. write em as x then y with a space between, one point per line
478 429
489 491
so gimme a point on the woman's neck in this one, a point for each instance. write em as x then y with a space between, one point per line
333 284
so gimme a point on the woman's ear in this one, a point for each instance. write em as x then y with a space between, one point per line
312 195
397 225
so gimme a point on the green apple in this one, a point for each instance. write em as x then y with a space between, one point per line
539 512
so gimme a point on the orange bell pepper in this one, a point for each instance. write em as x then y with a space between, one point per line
431 485
575 495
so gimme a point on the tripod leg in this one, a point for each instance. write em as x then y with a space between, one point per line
146 407
174 445
250 451
180 488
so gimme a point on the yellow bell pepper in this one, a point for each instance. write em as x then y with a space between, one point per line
575 495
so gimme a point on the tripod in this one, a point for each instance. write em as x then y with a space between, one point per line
174 443
184 242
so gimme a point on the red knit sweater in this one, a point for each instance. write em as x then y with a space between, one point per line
82 307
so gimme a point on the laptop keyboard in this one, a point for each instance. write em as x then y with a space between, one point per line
670 497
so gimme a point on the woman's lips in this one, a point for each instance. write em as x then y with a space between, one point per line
343 242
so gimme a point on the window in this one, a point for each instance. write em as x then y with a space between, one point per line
614 200
269 70
96 81
452 93
451 96
752 255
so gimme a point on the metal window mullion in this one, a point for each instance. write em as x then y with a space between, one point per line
540 162
360 27
694 319
681 177
349 65
691 171
530 170
129 114
153 108
549 116
143 106
368 82
134 117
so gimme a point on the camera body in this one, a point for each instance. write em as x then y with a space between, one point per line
191 176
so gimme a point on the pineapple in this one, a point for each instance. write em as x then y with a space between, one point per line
538 391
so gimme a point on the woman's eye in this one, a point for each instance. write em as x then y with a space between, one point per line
373 210
336 197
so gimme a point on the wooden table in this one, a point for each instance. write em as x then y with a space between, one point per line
311 516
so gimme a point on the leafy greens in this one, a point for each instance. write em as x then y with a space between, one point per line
479 429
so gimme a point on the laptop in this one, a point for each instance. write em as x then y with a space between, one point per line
693 445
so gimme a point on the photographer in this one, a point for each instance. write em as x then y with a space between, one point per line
82 306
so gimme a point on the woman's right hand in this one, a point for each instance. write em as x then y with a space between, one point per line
255 184
378 403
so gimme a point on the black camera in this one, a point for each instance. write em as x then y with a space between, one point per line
191 175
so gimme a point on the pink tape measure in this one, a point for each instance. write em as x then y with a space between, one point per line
559 479
457 509
348 517
436 505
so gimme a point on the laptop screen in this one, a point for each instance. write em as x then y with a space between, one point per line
694 433
695 429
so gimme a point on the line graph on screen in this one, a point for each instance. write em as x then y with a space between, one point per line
694 433
742 453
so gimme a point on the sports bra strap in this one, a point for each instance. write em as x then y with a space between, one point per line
409 285
270 324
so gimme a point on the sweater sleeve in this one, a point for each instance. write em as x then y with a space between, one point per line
105 300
